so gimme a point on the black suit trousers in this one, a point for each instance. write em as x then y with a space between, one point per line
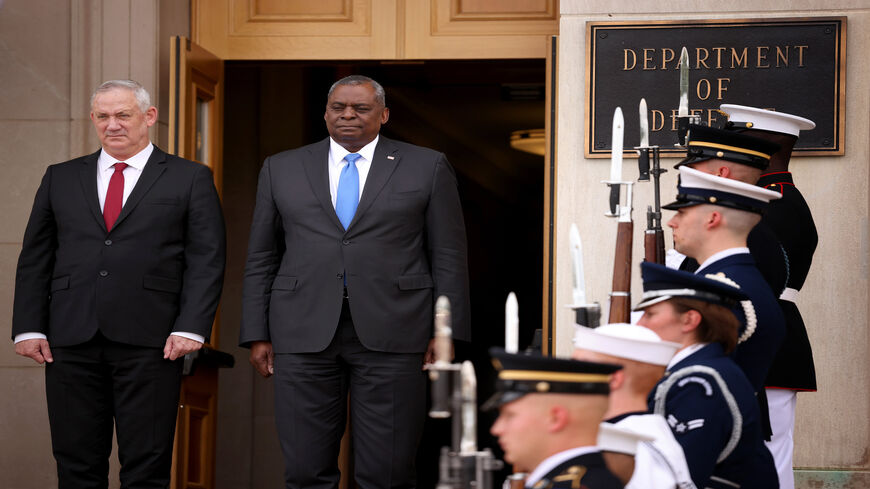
387 405
91 387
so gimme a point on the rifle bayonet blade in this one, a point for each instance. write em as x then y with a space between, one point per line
684 83
616 146
644 124
579 292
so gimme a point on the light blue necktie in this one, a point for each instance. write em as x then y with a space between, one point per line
347 195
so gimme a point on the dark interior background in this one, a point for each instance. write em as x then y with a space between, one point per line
466 109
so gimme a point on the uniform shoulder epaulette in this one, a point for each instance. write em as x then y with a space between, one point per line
694 375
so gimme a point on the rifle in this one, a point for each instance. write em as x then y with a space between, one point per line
620 296
654 236
454 394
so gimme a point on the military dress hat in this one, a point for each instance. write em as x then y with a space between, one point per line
519 375
742 117
705 143
628 341
696 187
661 283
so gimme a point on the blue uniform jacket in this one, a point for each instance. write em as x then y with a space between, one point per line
587 471
754 355
711 408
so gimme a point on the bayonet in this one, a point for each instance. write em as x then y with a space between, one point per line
616 160
643 149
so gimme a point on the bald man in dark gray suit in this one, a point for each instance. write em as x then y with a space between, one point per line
339 290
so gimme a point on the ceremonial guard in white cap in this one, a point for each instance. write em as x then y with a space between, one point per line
744 159
659 462
549 415
790 218
714 217
704 396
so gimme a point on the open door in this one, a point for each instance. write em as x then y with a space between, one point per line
549 313
195 133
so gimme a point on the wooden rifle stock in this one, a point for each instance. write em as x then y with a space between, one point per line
654 246
620 297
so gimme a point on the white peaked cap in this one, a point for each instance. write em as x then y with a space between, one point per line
766 120
627 341
612 438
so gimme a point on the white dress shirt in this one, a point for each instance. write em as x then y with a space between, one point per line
105 169
337 163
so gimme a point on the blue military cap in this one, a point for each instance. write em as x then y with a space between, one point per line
661 283
519 375
706 143
696 187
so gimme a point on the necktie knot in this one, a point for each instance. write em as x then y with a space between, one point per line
119 166
352 157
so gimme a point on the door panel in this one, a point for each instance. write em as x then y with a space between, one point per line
195 133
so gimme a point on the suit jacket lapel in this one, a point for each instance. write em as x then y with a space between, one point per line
316 165
153 169
384 162
88 179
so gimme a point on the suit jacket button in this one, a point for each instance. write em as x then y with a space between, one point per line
346 242
339 275
104 273
108 242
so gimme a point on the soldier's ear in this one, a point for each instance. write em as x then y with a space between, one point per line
617 380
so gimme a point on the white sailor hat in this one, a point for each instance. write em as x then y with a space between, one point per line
696 187
627 341
744 117
613 438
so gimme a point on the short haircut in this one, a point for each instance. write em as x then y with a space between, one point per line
380 95
143 99
718 323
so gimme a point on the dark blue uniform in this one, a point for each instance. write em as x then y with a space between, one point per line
711 408
792 222
754 355
586 471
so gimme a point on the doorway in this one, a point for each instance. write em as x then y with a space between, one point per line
466 109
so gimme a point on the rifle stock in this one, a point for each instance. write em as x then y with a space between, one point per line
620 297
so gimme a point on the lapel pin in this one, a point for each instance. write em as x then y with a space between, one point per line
391 157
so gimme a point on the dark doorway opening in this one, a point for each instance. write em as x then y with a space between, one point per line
466 109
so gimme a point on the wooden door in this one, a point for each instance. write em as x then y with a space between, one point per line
195 133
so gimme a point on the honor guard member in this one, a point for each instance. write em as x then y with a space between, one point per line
793 369
549 413
714 216
660 462
712 150
704 396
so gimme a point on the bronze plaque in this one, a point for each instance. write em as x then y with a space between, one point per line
796 66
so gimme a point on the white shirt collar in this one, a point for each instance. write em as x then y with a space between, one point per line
720 255
337 151
137 161
685 352
554 461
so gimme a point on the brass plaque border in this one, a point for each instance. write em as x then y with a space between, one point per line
596 28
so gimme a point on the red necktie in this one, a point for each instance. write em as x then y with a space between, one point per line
114 196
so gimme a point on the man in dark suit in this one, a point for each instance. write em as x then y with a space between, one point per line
352 240
119 276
